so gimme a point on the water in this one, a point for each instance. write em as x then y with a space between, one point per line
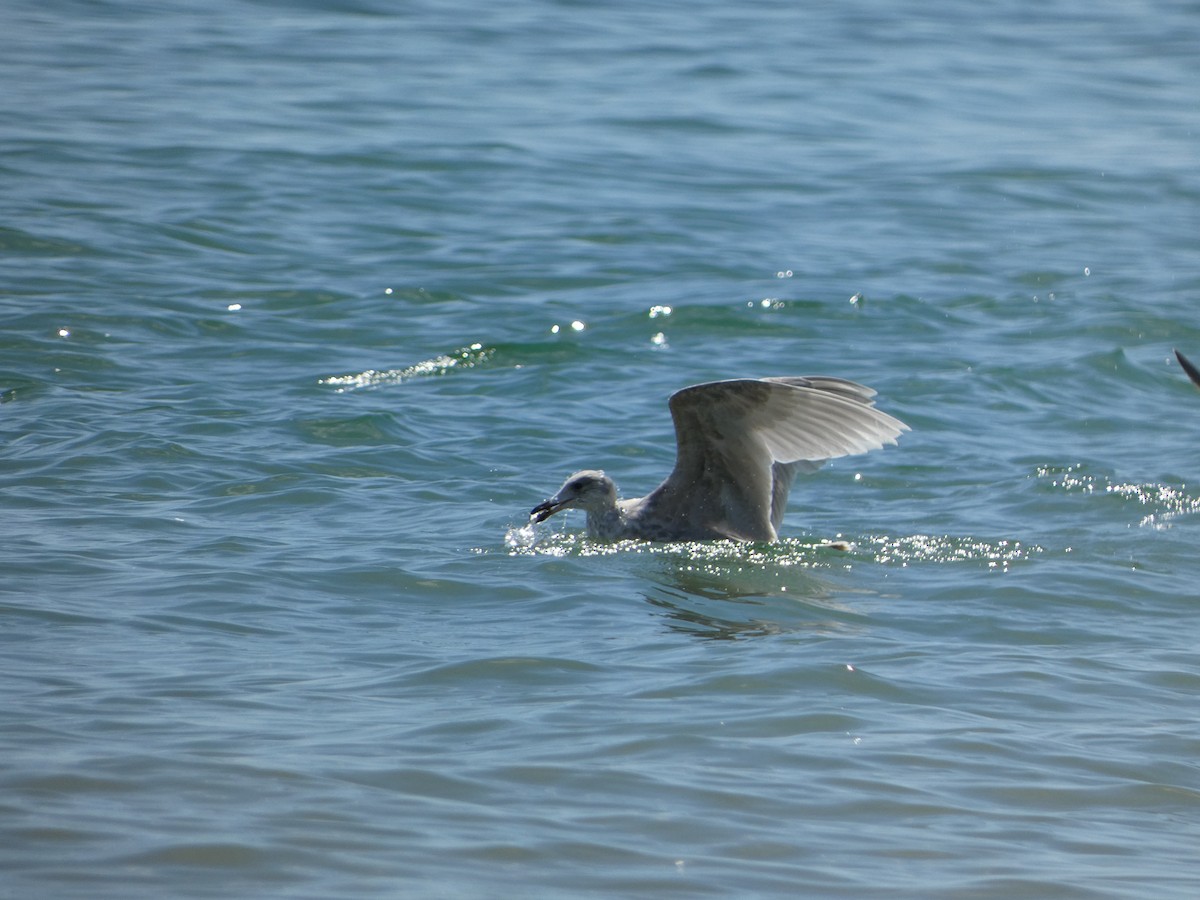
305 306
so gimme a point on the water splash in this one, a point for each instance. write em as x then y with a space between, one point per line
464 358
519 540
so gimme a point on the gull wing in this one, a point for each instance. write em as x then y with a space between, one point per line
1192 372
740 443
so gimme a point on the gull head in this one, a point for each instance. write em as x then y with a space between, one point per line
589 490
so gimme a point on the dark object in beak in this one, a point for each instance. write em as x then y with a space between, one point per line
1192 372
543 511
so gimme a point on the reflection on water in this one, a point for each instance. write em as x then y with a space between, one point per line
714 591
700 610
685 619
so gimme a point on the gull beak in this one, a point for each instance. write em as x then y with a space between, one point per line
546 509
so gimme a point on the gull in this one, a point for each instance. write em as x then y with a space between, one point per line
739 446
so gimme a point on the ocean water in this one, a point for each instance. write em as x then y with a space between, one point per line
304 305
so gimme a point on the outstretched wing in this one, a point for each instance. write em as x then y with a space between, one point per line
739 444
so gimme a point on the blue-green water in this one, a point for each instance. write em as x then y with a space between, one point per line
305 305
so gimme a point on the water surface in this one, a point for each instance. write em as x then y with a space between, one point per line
306 305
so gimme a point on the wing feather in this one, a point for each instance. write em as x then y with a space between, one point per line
738 443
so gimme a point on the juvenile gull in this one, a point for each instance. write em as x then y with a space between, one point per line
739 446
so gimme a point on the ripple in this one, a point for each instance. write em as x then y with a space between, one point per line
838 553
525 541
932 548
468 357
1161 503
